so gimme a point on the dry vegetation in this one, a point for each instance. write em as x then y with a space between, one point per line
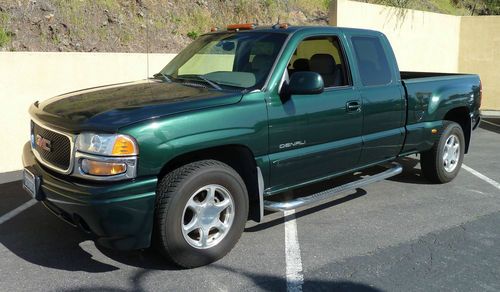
166 25
127 25
454 7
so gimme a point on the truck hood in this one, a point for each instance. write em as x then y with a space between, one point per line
111 107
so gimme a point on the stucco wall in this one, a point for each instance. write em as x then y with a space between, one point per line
422 41
27 77
480 53
433 42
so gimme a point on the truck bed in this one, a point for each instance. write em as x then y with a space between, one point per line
429 96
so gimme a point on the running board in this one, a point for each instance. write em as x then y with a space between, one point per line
395 169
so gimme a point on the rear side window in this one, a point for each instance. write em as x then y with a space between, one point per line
372 62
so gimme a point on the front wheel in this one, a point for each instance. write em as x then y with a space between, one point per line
200 213
442 162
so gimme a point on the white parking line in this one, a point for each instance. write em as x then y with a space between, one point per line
482 176
16 211
294 276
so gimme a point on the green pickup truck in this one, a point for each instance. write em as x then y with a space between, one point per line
181 161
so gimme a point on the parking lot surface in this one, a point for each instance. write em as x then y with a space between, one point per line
397 235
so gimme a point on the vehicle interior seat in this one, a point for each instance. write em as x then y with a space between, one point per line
326 66
340 76
301 65
260 65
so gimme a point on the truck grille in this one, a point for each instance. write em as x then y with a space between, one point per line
58 155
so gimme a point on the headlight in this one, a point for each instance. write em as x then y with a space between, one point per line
105 157
107 144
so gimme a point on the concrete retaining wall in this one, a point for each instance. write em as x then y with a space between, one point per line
422 41
433 42
29 76
480 53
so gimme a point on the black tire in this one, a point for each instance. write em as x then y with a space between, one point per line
432 162
173 192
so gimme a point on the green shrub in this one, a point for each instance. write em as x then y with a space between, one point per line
193 34
5 38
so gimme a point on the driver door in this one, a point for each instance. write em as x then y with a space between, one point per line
314 136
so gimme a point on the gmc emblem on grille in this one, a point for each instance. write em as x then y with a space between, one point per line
43 143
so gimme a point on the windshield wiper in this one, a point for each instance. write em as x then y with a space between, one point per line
213 84
162 76
202 78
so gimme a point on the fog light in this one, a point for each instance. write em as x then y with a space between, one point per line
102 168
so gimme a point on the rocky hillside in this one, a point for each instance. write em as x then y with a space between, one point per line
159 26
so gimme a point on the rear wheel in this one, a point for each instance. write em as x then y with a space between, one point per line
442 163
201 212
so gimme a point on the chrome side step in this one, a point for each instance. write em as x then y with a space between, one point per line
328 194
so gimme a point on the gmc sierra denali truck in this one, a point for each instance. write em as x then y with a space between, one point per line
181 161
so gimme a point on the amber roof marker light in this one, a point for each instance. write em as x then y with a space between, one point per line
283 25
241 26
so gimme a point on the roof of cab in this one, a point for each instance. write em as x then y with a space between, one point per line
292 29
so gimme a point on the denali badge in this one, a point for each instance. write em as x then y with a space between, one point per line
292 144
43 143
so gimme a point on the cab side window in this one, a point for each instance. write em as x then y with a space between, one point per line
322 55
372 61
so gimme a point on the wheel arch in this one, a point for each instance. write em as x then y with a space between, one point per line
240 158
461 116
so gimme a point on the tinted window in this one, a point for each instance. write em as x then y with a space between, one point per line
372 62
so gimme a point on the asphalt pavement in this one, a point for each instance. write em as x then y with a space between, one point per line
401 234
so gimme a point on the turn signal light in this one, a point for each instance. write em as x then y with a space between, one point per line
124 146
102 168
242 26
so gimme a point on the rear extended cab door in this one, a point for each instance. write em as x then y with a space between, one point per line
376 77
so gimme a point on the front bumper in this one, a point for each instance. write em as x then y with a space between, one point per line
118 214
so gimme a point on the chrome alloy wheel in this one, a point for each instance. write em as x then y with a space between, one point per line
208 216
451 153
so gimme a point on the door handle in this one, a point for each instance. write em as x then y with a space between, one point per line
353 106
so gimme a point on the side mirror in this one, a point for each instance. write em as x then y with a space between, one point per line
305 82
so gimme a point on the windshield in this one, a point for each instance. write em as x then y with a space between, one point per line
228 60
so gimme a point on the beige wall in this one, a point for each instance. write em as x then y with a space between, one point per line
432 42
27 77
480 53
422 41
